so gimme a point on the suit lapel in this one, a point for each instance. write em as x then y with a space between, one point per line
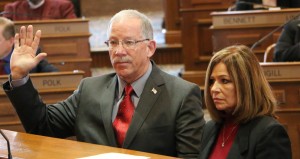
241 142
149 96
207 144
106 107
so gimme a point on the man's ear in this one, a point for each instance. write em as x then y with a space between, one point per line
151 47
11 40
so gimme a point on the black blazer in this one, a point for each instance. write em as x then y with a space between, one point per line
260 138
43 66
288 45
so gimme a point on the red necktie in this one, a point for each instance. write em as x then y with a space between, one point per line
2 71
124 116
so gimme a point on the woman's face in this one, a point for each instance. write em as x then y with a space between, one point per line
222 89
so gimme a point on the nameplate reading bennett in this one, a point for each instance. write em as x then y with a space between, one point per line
252 18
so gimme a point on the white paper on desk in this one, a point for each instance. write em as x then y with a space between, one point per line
112 155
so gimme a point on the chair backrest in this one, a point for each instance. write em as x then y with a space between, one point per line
267 55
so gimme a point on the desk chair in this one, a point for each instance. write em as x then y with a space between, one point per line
267 56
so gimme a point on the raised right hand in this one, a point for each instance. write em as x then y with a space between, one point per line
24 56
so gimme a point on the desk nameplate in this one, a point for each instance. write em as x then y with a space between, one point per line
57 27
55 81
281 70
252 18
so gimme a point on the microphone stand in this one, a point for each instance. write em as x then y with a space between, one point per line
269 34
9 156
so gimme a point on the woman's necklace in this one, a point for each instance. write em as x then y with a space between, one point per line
225 140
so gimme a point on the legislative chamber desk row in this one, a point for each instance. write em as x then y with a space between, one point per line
53 87
30 146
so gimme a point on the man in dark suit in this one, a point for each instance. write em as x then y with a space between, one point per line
165 114
7 32
288 45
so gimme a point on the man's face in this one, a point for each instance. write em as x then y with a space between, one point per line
5 45
130 63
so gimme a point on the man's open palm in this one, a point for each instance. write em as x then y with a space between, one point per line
24 56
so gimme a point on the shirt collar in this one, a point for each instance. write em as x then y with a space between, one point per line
138 85
35 6
7 58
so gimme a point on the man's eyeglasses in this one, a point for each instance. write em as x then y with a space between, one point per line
127 44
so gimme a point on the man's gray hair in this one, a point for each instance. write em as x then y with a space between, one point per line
146 26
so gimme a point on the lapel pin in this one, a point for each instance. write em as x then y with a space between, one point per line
154 90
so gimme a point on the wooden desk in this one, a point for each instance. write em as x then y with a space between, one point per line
176 12
3 3
229 28
285 82
247 27
66 41
53 87
34 146
195 33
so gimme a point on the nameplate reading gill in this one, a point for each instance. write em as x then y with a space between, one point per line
281 70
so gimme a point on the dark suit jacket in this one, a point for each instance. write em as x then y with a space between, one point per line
261 138
43 65
248 4
51 9
168 122
288 45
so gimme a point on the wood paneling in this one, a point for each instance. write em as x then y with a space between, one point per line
92 8
196 36
172 20
290 119
3 3
65 41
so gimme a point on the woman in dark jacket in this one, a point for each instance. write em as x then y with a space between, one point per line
241 105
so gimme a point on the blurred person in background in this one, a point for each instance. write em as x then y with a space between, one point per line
288 44
39 10
7 37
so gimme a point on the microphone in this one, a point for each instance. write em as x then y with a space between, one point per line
9 156
273 31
